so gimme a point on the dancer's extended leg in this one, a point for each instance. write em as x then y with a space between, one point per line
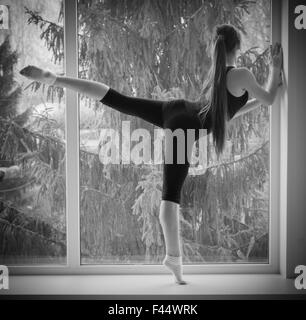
148 109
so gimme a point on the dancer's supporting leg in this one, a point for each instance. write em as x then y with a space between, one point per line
169 219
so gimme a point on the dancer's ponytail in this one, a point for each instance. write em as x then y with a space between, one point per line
226 39
218 97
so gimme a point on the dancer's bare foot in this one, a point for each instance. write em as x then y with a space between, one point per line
38 74
174 264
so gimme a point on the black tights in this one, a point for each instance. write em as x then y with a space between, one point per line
175 114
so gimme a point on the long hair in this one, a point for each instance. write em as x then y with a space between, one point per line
226 39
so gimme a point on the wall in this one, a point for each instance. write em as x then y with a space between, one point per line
293 120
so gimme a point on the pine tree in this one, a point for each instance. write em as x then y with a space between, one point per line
27 159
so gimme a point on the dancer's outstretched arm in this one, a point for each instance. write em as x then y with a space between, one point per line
263 96
248 82
92 89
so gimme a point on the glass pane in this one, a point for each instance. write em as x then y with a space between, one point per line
32 135
159 50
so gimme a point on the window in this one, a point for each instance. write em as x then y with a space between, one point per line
232 226
32 131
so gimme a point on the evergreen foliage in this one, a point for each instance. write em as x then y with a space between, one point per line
156 49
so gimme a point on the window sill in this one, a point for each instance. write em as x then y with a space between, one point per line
151 285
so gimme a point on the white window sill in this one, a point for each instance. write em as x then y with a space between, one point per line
148 285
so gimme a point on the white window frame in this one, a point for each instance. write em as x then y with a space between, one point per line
73 265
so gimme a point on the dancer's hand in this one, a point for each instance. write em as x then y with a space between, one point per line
276 62
276 56
37 74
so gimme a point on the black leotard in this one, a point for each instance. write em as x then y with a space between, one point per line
173 114
235 103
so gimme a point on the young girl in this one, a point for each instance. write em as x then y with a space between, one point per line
225 96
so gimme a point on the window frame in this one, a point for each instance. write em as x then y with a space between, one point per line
73 265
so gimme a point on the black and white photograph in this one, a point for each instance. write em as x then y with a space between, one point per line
152 150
